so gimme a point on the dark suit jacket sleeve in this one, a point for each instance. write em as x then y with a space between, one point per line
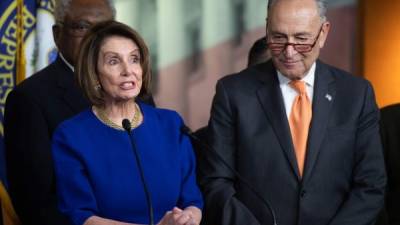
367 195
29 162
390 133
222 206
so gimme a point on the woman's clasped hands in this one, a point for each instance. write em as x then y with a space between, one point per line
180 217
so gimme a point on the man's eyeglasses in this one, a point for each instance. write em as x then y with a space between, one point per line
77 29
301 48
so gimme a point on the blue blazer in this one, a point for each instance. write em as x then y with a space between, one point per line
344 177
96 171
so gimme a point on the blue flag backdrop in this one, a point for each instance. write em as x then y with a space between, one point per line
22 24
10 30
26 46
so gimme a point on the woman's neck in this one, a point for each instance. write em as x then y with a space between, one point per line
120 109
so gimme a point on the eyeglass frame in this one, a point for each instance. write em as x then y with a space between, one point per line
286 44
74 28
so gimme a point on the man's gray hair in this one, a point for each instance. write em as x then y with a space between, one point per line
320 3
61 8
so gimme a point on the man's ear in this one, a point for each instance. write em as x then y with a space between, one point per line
325 31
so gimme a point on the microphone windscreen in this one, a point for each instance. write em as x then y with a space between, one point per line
126 124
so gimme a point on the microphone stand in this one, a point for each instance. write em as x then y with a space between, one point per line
127 126
188 132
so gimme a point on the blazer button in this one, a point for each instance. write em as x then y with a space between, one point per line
303 193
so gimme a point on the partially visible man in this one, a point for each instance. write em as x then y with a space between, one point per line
35 108
258 52
390 131
301 132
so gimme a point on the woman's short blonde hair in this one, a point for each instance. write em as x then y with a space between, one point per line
86 67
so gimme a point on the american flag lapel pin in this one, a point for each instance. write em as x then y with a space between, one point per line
329 97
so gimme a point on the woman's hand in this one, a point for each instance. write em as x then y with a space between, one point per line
189 216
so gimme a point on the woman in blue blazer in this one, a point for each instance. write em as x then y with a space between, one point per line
98 178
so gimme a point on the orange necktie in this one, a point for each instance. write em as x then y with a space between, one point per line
299 122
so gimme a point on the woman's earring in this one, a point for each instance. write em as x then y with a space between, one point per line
97 87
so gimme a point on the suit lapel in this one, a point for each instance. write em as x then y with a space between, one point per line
71 94
271 100
324 96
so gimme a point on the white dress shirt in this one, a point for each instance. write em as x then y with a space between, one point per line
289 93
66 62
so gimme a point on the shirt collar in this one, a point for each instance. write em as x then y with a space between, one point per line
308 78
66 62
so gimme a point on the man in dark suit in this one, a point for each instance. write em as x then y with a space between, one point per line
35 108
390 131
304 134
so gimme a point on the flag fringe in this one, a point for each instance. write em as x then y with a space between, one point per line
9 215
21 59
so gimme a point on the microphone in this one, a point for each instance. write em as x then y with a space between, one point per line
127 126
186 130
